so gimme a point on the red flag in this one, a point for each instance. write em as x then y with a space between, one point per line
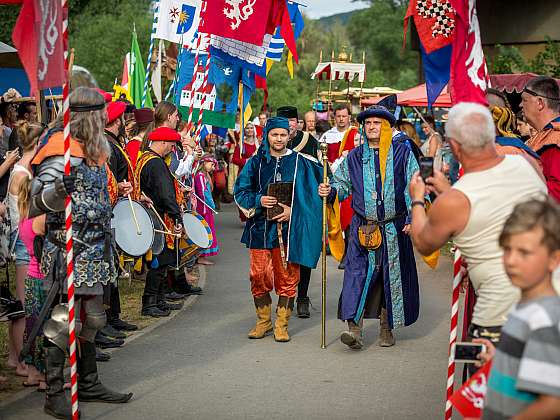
469 399
260 83
243 20
434 21
38 39
11 1
469 74
287 33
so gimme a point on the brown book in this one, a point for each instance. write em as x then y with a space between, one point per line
282 191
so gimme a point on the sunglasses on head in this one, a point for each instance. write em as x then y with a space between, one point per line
540 95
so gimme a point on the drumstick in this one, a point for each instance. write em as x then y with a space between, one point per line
196 196
138 231
167 232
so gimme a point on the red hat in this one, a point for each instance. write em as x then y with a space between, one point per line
143 115
106 95
114 111
164 134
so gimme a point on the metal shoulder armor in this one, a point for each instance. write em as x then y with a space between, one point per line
47 191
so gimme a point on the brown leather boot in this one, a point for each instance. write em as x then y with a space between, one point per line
283 313
353 337
386 338
263 305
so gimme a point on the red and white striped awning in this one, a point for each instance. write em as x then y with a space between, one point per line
340 71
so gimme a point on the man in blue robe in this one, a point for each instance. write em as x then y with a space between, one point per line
379 282
276 264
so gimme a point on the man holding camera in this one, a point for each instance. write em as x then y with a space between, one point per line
380 278
474 210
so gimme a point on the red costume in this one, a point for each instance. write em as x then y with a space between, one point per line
338 142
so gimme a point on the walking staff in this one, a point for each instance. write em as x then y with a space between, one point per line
323 147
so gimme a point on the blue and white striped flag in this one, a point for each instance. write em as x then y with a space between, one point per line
276 47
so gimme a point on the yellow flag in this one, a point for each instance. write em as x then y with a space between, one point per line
269 64
248 110
290 64
118 91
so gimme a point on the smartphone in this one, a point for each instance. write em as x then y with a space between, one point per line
426 167
468 352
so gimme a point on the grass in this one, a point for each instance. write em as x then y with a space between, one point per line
131 302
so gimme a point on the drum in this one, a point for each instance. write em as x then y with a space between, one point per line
159 236
198 231
134 240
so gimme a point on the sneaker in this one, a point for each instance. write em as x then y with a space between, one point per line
11 310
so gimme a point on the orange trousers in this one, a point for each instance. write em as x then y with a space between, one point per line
267 272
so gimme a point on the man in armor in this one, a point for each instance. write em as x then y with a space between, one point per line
94 265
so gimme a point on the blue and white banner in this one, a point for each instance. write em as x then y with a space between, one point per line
178 21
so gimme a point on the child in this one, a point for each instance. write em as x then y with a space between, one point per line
203 189
524 381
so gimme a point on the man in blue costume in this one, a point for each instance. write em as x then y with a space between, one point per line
276 264
380 278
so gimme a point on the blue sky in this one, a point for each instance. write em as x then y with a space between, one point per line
319 8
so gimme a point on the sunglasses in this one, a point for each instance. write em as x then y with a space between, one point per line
540 95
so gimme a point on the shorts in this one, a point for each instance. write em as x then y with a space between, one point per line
18 249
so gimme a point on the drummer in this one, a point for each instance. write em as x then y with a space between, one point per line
156 181
121 174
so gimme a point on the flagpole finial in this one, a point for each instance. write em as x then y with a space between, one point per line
332 55
320 56
363 56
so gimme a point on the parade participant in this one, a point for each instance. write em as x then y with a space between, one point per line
275 261
239 158
540 101
144 118
93 259
474 210
203 189
380 279
157 182
310 121
27 135
306 144
524 129
122 170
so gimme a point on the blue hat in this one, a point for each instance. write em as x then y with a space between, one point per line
272 123
376 111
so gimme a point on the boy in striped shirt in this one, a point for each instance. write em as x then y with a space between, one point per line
524 381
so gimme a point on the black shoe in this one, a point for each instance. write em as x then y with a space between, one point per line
163 305
56 403
11 310
180 285
120 325
90 387
101 356
106 342
155 312
303 308
150 307
110 332
341 265
175 296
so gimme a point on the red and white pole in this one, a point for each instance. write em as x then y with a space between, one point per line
457 277
68 215
203 102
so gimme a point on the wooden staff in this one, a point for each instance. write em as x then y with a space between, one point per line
324 147
281 245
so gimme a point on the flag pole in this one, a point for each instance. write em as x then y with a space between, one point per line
203 101
323 147
453 332
177 69
195 68
68 216
150 52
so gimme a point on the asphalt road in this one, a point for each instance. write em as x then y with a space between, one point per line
201 365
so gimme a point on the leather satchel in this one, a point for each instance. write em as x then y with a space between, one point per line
369 235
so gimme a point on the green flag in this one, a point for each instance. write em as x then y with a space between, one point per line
137 75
